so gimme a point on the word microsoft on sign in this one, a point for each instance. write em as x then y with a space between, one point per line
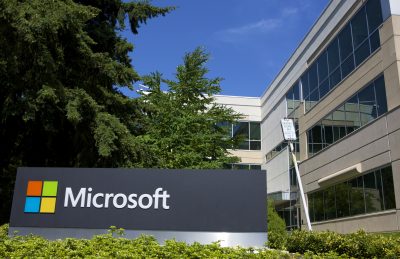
86 199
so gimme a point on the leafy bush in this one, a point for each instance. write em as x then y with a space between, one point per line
106 246
300 244
276 227
275 222
358 245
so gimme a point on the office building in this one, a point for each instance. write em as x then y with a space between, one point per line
342 88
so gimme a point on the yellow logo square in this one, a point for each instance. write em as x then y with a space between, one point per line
48 205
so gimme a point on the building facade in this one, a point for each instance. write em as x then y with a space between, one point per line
249 151
342 88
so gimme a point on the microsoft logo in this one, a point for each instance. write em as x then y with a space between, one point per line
41 197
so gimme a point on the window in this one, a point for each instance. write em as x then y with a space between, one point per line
255 136
368 193
359 28
249 132
359 110
333 56
293 177
241 129
243 166
276 150
355 43
374 14
345 44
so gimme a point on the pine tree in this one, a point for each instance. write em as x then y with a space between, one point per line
62 65
185 122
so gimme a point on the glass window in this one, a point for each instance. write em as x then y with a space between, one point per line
339 115
255 145
317 139
255 131
248 134
311 206
244 166
362 53
352 114
314 97
345 42
319 206
388 188
313 78
226 128
342 200
367 104
240 167
316 134
296 91
335 77
304 85
289 94
354 44
255 167
243 145
330 203
293 177
333 55
347 66
374 14
359 27
368 193
324 88
241 129
371 193
357 205
323 66
339 132
375 41
380 95
328 135
359 110
378 176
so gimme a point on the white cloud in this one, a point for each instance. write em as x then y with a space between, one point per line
289 11
261 26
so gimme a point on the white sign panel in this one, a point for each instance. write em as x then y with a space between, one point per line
289 132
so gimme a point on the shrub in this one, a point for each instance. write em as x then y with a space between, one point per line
359 244
300 244
276 228
108 246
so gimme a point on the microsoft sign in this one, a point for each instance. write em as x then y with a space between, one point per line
188 205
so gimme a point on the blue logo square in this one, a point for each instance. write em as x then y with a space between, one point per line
32 205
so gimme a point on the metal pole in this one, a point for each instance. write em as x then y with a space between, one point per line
300 186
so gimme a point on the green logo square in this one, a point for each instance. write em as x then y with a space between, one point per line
50 188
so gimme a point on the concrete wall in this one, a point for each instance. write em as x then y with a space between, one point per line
248 106
277 173
271 127
248 156
385 221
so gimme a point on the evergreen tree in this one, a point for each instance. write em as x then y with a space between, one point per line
186 129
62 65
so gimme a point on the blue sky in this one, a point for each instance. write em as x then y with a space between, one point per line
249 41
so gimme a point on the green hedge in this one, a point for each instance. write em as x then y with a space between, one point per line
358 245
300 244
107 246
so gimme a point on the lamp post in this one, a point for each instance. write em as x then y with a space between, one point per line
289 134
